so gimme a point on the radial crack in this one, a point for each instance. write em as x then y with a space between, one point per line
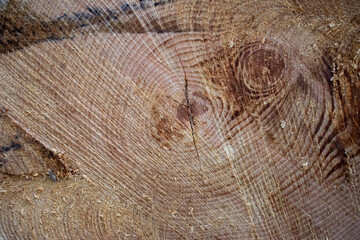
191 119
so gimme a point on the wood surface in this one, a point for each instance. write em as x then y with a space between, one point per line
180 119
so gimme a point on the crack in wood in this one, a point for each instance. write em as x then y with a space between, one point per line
191 120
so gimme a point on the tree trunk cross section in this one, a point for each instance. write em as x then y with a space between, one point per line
173 119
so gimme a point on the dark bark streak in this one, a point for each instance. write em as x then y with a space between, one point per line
13 146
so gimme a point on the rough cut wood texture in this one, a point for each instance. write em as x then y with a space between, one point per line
180 119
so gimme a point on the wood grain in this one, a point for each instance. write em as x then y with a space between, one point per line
180 119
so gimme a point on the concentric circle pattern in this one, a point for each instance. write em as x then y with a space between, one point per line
179 119
262 70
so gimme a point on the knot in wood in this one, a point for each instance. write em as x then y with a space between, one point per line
198 105
261 69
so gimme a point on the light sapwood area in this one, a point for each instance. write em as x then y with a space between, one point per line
180 119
